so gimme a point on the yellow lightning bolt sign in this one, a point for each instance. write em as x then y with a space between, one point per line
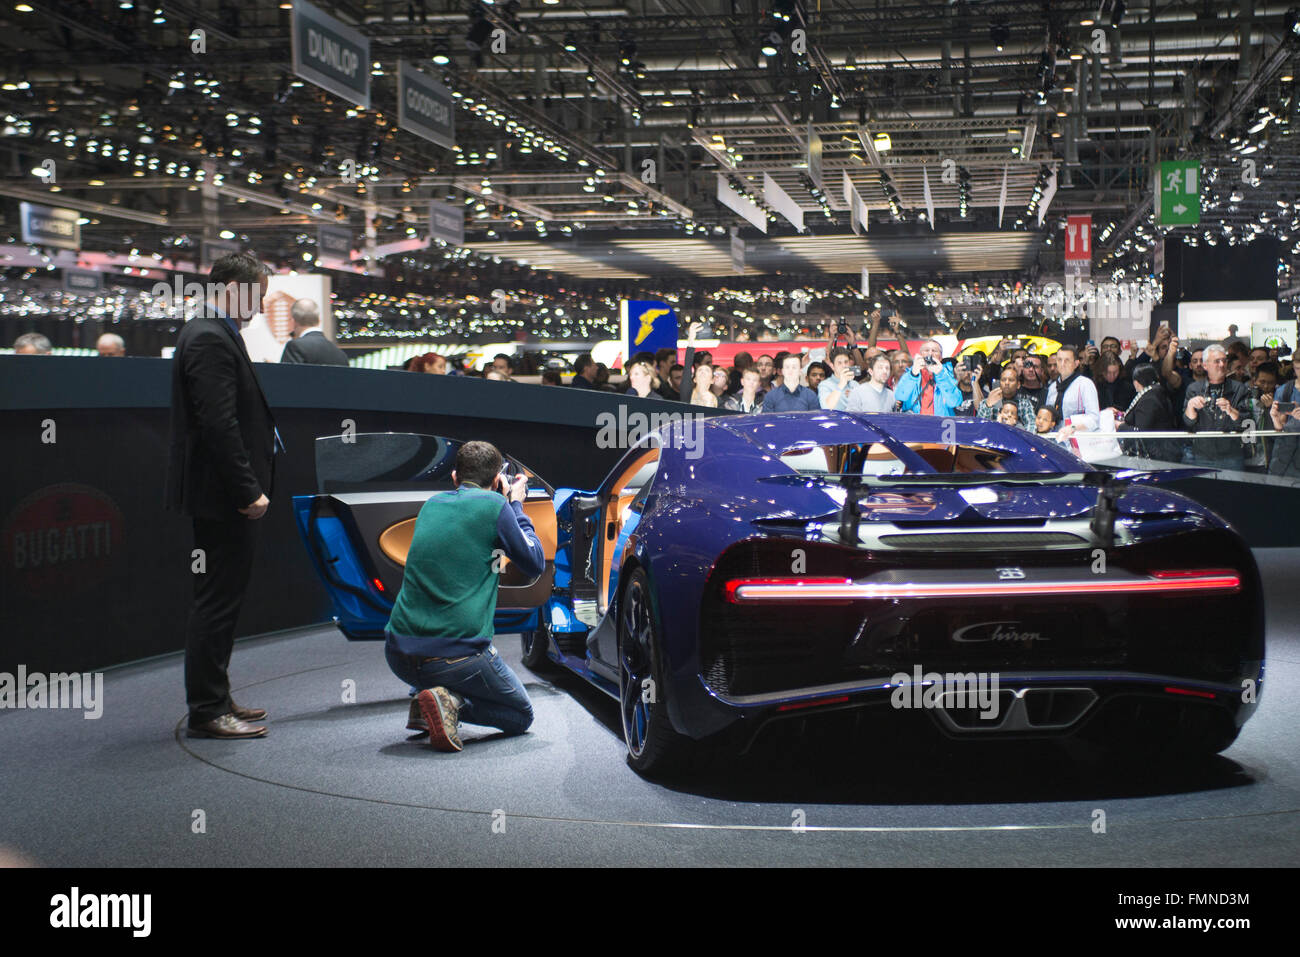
647 324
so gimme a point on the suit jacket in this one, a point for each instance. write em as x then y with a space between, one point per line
222 432
313 348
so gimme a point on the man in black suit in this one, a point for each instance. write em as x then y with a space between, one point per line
309 344
220 472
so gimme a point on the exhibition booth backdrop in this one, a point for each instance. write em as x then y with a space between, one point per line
94 572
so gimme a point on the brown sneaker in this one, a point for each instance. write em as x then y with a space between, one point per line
441 714
415 720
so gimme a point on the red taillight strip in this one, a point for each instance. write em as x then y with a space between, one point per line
1197 694
800 585
798 705
839 589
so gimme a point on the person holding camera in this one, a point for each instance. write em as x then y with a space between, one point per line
439 635
1217 404
930 386
1284 459
967 371
833 392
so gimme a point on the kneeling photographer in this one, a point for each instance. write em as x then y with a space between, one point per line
439 636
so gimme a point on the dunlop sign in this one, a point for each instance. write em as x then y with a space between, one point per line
424 106
447 222
50 226
331 54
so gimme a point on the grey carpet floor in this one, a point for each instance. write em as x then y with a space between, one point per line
342 783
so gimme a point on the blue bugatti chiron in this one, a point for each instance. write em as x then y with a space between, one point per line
785 565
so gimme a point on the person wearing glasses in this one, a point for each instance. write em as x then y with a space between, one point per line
1217 404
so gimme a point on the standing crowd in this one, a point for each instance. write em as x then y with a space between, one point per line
1224 387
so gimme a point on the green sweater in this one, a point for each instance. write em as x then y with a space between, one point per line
449 592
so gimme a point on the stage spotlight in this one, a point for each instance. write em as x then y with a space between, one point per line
1000 34
771 45
1117 13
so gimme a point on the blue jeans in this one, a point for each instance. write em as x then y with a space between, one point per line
493 695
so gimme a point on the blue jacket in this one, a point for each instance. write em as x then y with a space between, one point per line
946 394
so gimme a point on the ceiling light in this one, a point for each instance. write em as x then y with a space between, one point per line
999 33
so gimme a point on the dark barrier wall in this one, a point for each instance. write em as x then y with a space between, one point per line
94 572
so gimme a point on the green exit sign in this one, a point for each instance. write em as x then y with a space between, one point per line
1178 194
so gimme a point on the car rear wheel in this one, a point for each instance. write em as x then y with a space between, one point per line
653 747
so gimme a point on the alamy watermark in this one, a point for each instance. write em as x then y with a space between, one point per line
972 689
172 297
75 910
627 429
79 692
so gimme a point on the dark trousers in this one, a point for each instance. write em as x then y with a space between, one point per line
228 548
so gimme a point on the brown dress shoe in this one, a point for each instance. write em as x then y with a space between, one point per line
247 714
227 726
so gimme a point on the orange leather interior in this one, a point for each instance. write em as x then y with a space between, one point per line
618 501
395 540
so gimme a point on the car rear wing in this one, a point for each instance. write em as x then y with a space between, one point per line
1110 486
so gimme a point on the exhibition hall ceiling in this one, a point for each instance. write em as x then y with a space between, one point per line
592 139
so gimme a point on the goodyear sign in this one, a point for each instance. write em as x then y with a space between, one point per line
648 326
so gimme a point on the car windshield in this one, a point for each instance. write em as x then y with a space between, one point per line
876 458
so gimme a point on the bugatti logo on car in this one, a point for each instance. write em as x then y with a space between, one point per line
1007 574
996 631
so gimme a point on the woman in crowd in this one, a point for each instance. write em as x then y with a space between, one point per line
702 393
1148 411
640 378
1114 389
428 362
